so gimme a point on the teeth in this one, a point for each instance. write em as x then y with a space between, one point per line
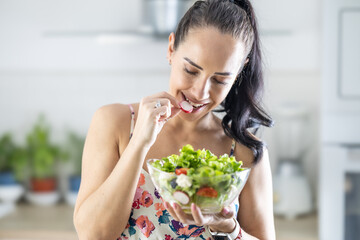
194 104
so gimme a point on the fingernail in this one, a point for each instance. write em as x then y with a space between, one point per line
193 207
173 204
226 211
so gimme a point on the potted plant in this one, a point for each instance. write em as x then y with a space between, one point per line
43 158
12 164
74 146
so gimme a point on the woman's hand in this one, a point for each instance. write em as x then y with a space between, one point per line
151 118
221 222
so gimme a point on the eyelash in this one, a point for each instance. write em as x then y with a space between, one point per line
189 72
195 73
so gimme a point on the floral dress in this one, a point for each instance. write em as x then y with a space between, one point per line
150 220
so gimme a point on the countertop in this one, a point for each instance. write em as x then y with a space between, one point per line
29 222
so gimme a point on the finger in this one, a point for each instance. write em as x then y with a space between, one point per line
174 112
197 215
227 212
165 104
171 98
160 112
171 210
183 217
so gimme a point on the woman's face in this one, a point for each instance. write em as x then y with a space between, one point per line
204 68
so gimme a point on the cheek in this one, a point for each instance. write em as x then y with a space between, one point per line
179 80
221 94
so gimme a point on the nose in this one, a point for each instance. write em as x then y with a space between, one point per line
201 89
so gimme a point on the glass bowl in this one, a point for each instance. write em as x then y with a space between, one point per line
211 195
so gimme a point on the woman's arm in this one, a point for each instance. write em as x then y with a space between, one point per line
108 184
256 203
109 181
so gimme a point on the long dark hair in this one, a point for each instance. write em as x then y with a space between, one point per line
242 106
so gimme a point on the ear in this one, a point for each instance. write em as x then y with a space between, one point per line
171 49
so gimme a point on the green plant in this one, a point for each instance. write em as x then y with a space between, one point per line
42 153
6 151
74 146
12 157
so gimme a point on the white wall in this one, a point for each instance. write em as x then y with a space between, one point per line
299 89
291 36
69 99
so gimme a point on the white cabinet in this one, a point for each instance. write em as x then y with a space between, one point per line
341 54
340 138
336 207
349 62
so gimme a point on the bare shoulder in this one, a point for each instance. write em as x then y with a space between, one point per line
112 113
114 119
245 154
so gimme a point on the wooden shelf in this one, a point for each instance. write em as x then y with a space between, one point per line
302 228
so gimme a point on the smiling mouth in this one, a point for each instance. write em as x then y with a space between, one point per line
195 105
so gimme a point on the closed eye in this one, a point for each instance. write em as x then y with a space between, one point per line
213 78
219 82
190 72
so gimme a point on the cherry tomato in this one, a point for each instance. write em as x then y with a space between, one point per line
207 192
181 171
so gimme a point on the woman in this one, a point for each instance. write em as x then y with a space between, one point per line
215 61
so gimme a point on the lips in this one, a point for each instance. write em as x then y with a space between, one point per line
194 104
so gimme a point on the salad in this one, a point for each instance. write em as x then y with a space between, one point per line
200 177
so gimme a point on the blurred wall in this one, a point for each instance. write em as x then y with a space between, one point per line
67 58
54 60
291 40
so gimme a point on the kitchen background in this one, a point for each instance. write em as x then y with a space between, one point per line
65 59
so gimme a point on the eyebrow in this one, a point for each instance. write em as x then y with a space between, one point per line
192 63
197 66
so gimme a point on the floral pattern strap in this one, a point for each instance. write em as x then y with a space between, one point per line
132 120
